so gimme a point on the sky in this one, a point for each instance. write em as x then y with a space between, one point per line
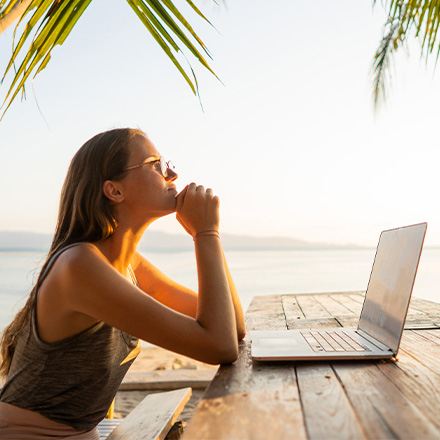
288 139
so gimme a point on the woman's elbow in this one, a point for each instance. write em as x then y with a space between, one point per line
241 333
224 354
231 355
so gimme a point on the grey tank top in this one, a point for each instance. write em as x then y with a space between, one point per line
71 381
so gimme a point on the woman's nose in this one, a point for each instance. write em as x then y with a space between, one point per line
171 175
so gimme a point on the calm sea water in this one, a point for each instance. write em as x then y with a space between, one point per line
254 272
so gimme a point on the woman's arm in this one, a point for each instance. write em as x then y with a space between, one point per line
162 288
239 316
85 284
82 285
176 296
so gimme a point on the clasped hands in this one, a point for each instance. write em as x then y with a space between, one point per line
197 210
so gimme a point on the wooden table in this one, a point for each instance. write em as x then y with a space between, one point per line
326 400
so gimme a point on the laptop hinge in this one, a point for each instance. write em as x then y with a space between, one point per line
373 341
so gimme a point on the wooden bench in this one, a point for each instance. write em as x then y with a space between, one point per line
150 420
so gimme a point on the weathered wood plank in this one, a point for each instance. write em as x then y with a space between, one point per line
427 352
292 310
250 400
327 411
348 322
419 384
425 306
433 335
273 413
415 314
421 323
382 409
245 375
153 417
357 296
313 323
311 308
334 307
107 426
167 379
347 301
410 324
265 313
265 304
265 323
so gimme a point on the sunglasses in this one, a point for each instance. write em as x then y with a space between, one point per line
164 165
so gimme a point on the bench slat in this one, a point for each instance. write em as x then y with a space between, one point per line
153 417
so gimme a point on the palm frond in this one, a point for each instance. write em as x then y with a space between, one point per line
7 9
406 19
380 66
50 22
162 18
59 19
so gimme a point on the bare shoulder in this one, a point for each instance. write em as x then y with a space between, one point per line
81 257
76 266
66 281
77 253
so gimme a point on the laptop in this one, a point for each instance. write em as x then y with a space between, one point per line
383 315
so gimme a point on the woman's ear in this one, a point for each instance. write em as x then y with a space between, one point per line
112 191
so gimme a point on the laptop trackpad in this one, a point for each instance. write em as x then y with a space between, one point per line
277 342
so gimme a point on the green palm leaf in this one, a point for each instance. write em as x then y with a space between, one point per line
50 22
406 19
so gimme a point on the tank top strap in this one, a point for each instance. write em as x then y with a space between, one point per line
133 276
56 255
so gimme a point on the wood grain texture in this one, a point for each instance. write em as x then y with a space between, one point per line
107 426
265 313
348 322
358 296
153 417
381 408
425 306
335 308
244 397
271 413
292 310
416 344
351 301
167 379
313 323
325 405
418 383
311 308
357 399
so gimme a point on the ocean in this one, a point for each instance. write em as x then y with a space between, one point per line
264 272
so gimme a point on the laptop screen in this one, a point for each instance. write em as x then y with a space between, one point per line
391 283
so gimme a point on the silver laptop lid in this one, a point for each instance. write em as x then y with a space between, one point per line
391 284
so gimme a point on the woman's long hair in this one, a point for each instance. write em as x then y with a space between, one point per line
85 214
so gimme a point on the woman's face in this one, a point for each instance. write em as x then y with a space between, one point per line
144 188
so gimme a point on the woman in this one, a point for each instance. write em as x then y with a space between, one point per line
67 350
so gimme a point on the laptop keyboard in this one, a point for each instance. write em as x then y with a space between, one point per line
333 341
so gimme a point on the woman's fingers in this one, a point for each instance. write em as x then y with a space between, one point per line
180 197
197 208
